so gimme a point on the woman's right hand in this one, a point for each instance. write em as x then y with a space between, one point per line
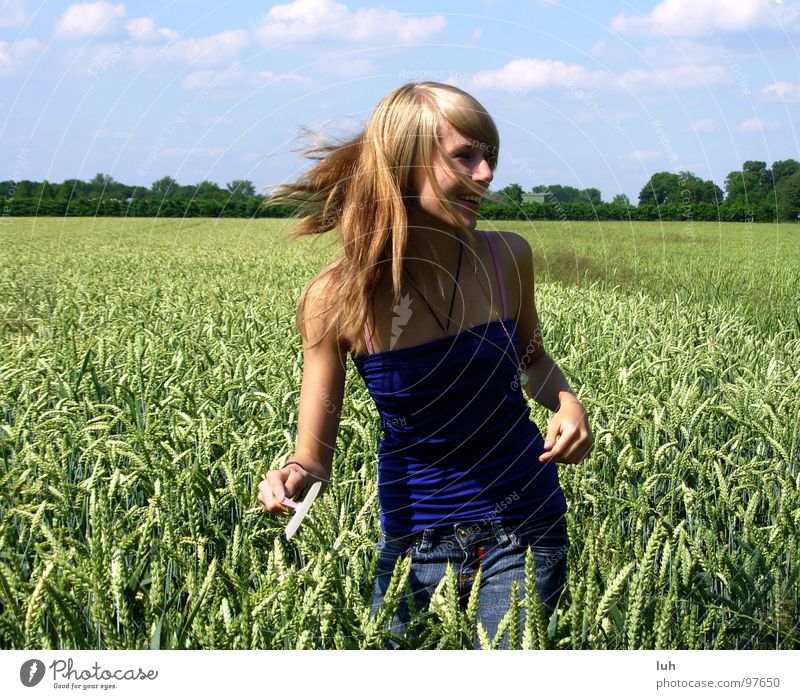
291 481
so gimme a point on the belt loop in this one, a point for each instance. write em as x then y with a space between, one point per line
499 532
427 540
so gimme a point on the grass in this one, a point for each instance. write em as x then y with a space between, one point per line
149 376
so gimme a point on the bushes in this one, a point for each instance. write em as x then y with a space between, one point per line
162 208
253 207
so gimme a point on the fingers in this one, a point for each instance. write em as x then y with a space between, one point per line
574 444
559 433
578 450
296 484
268 498
552 434
273 489
291 481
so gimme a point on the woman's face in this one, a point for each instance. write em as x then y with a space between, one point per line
472 160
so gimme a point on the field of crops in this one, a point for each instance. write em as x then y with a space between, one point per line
150 373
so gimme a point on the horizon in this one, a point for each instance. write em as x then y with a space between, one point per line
584 96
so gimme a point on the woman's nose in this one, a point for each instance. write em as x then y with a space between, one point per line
483 171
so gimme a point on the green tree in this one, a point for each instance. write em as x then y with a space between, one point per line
694 190
781 170
621 200
207 190
44 190
662 188
513 193
592 195
100 182
788 194
71 189
24 189
562 193
784 168
711 193
751 186
241 188
166 186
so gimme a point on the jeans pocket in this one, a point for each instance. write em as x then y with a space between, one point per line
551 572
550 533
395 546
549 544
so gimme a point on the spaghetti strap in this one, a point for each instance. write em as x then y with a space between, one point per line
368 339
500 280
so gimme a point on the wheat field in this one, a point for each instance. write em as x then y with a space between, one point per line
150 372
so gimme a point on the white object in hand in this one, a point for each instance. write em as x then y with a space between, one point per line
300 509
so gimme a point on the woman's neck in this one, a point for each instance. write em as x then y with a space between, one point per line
432 259
433 245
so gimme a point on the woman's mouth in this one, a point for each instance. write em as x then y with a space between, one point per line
470 201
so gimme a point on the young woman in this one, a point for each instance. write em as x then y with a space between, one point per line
440 321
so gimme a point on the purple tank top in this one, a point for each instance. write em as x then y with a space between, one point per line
458 443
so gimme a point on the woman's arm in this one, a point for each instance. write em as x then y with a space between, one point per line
568 438
319 412
547 384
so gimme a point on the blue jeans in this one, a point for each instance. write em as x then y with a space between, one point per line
499 549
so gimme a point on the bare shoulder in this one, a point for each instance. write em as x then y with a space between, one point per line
316 290
319 285
511 245
516 257
314 309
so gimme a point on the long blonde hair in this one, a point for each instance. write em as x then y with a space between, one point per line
362 185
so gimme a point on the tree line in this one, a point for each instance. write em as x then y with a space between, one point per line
754 193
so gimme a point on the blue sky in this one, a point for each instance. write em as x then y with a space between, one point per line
585 94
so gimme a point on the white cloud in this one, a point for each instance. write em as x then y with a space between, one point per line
145 29
214 48
235 76
781 92
703 17
12 13
525 74
90 19
196 53
685 76
615 52
475 36
17 56
703 126
522 75
209 79
755 124
642 155
203 51
678 51
303 20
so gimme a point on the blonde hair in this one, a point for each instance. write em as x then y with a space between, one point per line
362 186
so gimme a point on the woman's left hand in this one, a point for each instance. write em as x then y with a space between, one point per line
569 439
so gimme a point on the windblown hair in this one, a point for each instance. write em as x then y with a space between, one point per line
364 187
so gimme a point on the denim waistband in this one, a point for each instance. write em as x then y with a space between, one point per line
465 533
